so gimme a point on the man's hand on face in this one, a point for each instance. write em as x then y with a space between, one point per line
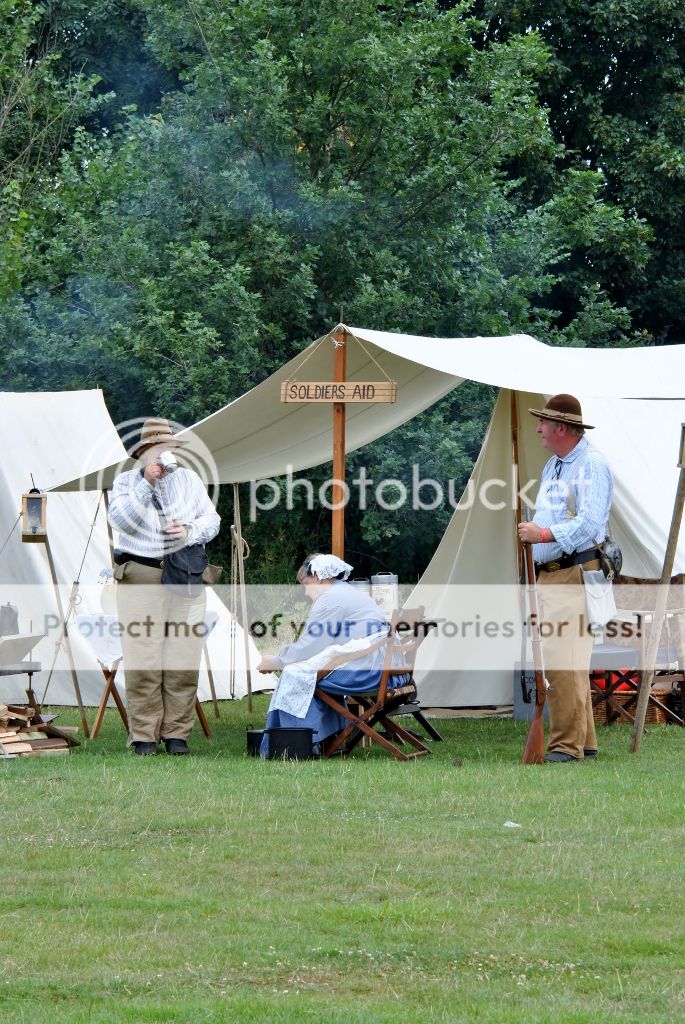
153 473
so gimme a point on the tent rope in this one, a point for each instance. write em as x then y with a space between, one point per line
74 600
310 354
92 527
7 539
371 356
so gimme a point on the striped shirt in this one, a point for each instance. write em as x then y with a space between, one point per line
582 479
181 497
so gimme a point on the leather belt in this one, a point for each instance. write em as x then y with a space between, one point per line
125 556
566 561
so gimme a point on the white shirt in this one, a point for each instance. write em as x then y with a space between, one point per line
182 496
585 472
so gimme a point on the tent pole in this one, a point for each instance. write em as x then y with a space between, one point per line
660 608
233 608
534 750
243 601
65 636
517 481
338 490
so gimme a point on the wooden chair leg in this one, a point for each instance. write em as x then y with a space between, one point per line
202 718
116 696
355 731
109 690
425 724
401 734
210 678
102 706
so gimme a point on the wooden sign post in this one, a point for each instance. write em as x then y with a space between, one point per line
339 392
338 493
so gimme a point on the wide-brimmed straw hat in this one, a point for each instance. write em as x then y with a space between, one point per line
155 431
563 409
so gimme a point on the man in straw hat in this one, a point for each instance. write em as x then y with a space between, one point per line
571 516
159 507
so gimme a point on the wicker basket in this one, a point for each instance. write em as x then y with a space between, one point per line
655 715
599 713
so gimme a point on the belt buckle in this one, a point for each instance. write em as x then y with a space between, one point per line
553 566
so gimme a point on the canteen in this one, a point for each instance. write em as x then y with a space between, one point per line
254 740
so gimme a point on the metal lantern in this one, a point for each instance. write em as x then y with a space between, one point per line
33 508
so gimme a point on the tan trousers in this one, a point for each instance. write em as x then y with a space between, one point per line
567 650
162 644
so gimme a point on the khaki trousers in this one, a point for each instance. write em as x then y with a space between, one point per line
567 650
162 644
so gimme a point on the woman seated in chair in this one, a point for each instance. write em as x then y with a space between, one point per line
342 620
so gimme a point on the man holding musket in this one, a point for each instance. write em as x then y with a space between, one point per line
571 515
159 507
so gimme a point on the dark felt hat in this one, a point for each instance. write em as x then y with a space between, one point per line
563 409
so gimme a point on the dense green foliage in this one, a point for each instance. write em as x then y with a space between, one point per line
191 191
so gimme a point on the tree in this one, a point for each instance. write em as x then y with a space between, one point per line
281 160
615 89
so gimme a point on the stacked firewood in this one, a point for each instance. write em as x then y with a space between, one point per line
25 733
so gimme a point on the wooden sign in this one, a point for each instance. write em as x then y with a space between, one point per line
347 391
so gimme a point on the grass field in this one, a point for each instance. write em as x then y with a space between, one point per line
221 888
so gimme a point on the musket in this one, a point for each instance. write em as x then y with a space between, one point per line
534 752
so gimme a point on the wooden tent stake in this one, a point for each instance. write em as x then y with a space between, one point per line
660 608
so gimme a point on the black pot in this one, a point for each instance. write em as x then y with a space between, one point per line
290 744
254 740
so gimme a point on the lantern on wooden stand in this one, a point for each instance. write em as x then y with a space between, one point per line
34 530
33 510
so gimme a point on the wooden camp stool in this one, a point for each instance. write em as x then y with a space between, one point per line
666 657
621 669
111 690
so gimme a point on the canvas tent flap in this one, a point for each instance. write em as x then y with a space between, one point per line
522 363
257 436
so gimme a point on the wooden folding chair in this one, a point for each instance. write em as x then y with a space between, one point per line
371 714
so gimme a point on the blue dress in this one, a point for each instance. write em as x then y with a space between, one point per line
341 613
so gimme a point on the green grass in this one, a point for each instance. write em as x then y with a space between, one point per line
222 888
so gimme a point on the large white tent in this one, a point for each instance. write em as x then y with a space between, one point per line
47 436
635 397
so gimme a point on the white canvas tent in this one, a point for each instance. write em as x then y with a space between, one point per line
52 435
256 436
636 398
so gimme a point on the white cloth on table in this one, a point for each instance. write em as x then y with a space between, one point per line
295 688
103 633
